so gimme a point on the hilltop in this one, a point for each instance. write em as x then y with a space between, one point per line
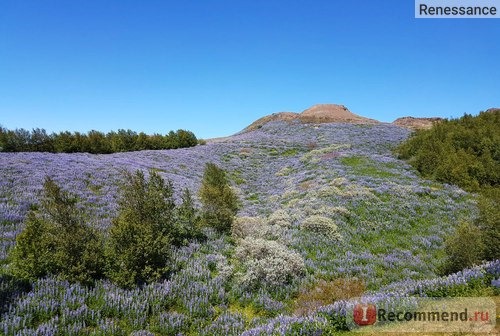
333 113
416 123
318 114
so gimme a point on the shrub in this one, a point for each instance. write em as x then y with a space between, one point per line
139 244
322 225
248 227
463 151
489 223
31 257
186 223
256 227
463 249
280 218
57 241
267 263
220 203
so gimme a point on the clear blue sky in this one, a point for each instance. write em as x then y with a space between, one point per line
215 66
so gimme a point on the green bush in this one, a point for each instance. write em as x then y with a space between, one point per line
187 219
139 245
463 151
489 222
220 203
463 249
57 241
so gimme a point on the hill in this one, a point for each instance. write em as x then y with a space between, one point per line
381 232
416 123
321 113
332 113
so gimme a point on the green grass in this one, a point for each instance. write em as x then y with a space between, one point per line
363 166
290 152
273 152
253 197
236 177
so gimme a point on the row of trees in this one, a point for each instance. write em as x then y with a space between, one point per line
38 140
149 225
464 152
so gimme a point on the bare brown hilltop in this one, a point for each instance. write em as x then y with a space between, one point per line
321 113
416 123
333 113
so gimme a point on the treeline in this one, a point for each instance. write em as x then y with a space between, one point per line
465 152
95 142
57 240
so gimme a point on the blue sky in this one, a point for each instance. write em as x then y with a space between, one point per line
213 67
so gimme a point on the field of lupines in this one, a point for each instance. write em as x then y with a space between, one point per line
320 203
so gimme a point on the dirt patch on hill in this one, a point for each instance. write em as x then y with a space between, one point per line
416 123
321 113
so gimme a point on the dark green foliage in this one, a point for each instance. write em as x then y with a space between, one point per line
463 249
220 203
186 138
187 220
35 246
138 247
21 140
148 225
489 222
464 151
57 241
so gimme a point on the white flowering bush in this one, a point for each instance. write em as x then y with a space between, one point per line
248 227
267 262
271 228
322 225
280 218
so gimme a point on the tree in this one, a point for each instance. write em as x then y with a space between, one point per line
31 257
463 151
138 249
220 203
186 138
142 142
97 143
56 240
463 249
489 222
64 143
187 220
41 141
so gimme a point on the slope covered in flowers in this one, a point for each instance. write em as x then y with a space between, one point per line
389 229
